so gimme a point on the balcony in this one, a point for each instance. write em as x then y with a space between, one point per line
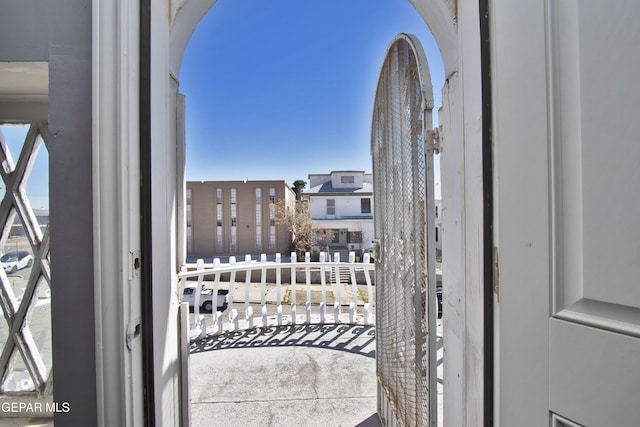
295 344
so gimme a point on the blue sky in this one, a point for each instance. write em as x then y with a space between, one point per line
280 89
37 184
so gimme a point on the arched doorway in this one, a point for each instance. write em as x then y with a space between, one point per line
442 22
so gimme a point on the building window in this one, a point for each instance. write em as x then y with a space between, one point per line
258 215
258 219
436 234
365 206
272 195
233 196
234 218
189 239
234 240
347 179
272 216
258 238
272 238
219 232
331 207
219 243
354 237
219 215
436 211
189 214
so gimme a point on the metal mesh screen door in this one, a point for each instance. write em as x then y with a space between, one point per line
405 228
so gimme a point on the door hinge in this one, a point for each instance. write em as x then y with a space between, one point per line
433 141
496 274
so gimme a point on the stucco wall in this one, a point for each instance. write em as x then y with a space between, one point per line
203 211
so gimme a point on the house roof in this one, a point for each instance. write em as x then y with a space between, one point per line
328 188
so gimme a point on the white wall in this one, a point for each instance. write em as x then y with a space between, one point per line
345 206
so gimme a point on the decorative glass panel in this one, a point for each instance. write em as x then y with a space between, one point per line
25 280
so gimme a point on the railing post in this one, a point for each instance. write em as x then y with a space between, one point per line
294 260
247 286
265 320
196 297
219 322
307 260
279 288
217 315
338 288
367 307
263 279
216 286
250 317
354 287
263 288
233 318
352 312
323 284
232 285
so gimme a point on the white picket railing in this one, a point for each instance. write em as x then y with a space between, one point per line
326 268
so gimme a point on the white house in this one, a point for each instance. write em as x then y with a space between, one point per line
342 201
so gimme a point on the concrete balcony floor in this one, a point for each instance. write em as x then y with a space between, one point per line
303 375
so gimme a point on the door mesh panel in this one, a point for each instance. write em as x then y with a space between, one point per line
401 177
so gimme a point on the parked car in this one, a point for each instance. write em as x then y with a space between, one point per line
16 260
206 298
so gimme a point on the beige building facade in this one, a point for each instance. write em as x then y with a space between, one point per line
235 218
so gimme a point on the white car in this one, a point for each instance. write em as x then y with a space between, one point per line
206 298
16 260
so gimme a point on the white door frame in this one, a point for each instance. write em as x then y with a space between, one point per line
116 211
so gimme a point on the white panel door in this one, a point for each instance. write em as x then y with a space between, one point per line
566 102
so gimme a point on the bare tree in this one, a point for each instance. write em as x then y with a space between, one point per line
306 234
